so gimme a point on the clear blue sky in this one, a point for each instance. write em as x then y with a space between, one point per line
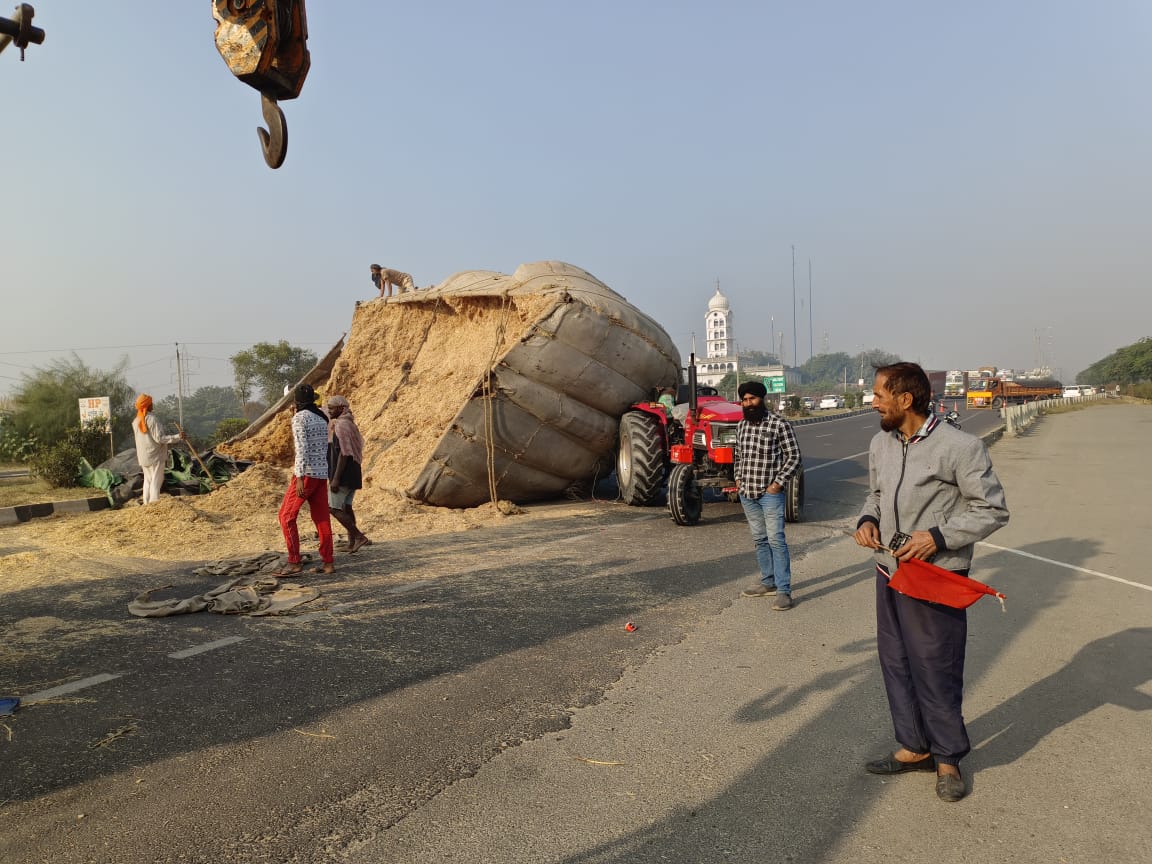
971 182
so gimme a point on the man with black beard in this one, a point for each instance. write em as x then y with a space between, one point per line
933 491
766 458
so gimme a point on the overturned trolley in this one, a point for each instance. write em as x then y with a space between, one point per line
491 386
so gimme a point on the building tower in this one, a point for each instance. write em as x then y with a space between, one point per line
720 354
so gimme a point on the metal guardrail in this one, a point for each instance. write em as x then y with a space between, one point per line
1017 418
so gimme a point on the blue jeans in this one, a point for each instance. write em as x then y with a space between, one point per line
765 517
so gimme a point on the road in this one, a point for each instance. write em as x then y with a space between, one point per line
489 664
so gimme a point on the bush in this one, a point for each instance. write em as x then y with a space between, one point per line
226 429
59 465
15 446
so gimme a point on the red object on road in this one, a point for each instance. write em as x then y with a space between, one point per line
630 627
924 581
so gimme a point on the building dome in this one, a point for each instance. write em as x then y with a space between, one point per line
719 303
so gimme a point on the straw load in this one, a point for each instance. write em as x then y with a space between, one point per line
487 386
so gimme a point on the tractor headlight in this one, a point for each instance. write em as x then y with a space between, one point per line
723 434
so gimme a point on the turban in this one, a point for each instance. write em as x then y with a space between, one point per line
752 387
304 396
143 406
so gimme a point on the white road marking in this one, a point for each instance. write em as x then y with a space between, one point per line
207 646
72 687
411 586
835 462
1066 566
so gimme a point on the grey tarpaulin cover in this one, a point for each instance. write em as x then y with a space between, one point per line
558 392
245 595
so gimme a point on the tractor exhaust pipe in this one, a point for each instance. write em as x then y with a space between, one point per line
692 383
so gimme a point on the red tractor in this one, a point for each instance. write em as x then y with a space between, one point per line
696 444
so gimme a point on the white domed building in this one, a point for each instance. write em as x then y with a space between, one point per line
720 343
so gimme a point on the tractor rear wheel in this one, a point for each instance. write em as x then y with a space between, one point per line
794 497
640 459
685 497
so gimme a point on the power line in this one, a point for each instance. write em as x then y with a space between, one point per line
151 345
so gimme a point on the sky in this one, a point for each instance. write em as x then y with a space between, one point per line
968 184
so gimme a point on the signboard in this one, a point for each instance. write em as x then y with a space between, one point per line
93 407
96 408
774 383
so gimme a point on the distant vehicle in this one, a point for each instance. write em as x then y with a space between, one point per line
996 392
1072 391
808 402
868 397
831 401
956 383
937 381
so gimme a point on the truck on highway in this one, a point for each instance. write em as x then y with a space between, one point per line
956 384
996 392
938 381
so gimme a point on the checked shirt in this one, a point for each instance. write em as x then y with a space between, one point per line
766 452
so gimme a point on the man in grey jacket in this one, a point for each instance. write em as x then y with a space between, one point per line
932 495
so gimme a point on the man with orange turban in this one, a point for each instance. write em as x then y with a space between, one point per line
151 447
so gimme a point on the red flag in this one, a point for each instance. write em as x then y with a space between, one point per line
924 581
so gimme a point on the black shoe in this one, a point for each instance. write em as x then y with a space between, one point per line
891 765
950 788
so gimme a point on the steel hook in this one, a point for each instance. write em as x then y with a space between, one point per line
274 140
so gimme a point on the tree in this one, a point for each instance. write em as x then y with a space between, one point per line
46 405
1129 365
203 411
270 368
760 358
730 383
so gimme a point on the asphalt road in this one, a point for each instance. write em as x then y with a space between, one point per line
464 696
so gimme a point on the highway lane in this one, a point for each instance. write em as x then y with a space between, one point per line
432 656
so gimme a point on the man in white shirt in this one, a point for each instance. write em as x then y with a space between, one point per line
151 447
309 482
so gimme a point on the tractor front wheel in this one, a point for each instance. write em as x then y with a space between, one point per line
685 497
640 459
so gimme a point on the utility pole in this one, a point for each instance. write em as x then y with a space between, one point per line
794 342
772 337
809 308
179 386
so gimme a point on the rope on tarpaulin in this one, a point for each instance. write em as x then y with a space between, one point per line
489 408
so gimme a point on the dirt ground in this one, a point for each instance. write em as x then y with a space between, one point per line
407 370
239 519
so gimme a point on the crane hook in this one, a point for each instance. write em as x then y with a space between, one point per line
274 140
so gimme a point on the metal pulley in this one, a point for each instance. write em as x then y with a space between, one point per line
19 29
265 44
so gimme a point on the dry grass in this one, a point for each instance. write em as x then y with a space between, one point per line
15 491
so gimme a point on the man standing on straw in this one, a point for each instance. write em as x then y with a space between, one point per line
932 491
345 457
309 481
151 447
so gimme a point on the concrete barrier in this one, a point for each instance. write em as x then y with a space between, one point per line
25 512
